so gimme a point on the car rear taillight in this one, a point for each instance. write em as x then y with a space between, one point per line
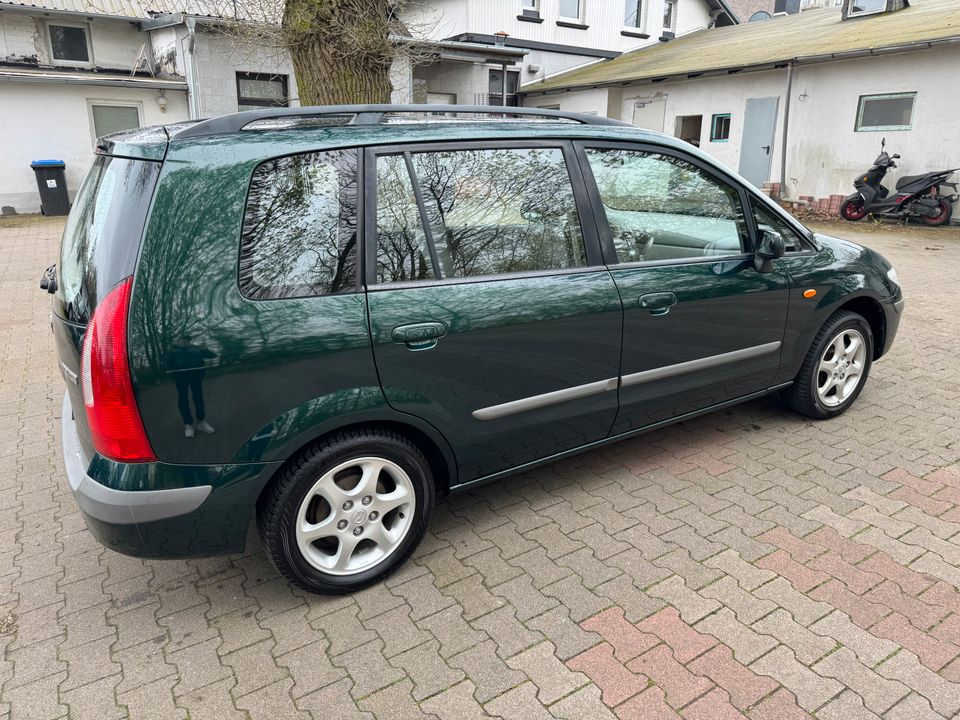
112 414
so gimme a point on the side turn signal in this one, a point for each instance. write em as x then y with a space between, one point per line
809 293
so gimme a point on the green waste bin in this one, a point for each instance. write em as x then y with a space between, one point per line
52 184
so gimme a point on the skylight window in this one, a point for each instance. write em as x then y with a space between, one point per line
866 7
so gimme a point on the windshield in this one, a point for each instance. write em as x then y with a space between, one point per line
102 237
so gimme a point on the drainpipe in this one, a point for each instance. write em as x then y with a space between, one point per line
500 40
190 60
786 131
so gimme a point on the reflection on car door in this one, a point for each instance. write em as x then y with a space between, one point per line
491 312
701 325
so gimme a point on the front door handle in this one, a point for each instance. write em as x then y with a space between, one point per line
658 303
765 148
419 336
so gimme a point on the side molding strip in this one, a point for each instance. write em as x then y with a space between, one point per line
669 371
551 398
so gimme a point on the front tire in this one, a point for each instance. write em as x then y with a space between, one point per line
346 513
853 210
946 211
835 369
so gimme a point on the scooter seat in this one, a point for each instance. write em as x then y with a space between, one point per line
908 180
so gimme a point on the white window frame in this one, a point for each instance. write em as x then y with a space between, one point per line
641 13
864 13
672 27
114 103
86 34
578 19
861 101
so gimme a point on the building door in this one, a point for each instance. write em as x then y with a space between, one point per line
756 150
649 113
492 314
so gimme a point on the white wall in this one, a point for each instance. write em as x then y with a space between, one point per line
220 58
19 37
825 152
41 121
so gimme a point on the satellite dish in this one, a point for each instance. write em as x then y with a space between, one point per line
759 16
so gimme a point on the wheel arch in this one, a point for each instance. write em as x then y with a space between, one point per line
869 309
438 453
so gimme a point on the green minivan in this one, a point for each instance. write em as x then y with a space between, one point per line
326 317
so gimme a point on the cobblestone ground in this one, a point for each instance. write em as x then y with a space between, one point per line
746 563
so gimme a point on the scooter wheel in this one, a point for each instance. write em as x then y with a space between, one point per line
853 210
946 210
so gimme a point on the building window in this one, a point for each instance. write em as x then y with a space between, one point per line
495 95
886 112
571 10
109 119
633 17
530 7
259 90
720 128
866 7
69 44
669 14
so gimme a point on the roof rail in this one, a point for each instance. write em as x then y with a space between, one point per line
373 115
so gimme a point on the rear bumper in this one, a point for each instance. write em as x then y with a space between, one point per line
186 518
120 507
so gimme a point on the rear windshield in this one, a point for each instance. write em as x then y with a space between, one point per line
102 237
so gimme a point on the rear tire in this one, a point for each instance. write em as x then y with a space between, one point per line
946 211
346 513
835 369
853 210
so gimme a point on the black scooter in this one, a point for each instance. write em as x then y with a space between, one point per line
916 195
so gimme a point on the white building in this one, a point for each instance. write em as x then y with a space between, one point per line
74 70
556 35
802 99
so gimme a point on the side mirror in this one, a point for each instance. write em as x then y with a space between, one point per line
896 156
883 143
531 212
770 248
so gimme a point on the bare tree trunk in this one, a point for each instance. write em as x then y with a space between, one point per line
341 49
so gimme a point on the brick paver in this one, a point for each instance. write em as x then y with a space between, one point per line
745 564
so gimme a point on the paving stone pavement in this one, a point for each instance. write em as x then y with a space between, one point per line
748 563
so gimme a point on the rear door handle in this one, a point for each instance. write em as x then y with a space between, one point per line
658 303
419 336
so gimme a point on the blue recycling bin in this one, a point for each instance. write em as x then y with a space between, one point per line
52 184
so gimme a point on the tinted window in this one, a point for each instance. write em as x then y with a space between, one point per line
403 253
102 236
767 219
300 227
661 207
488 212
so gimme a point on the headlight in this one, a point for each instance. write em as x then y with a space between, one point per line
892 274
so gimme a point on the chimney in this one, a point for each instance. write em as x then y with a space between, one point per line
500 38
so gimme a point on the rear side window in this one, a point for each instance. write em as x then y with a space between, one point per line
483 212
300 227
102 237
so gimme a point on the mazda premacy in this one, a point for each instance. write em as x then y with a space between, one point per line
321 319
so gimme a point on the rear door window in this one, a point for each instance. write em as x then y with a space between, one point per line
484 212
102 237
300 227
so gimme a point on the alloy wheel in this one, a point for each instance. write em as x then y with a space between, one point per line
355 516
841 367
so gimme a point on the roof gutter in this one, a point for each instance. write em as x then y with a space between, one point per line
91 79
770 65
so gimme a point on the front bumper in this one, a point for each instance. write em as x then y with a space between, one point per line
120 507
893 311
